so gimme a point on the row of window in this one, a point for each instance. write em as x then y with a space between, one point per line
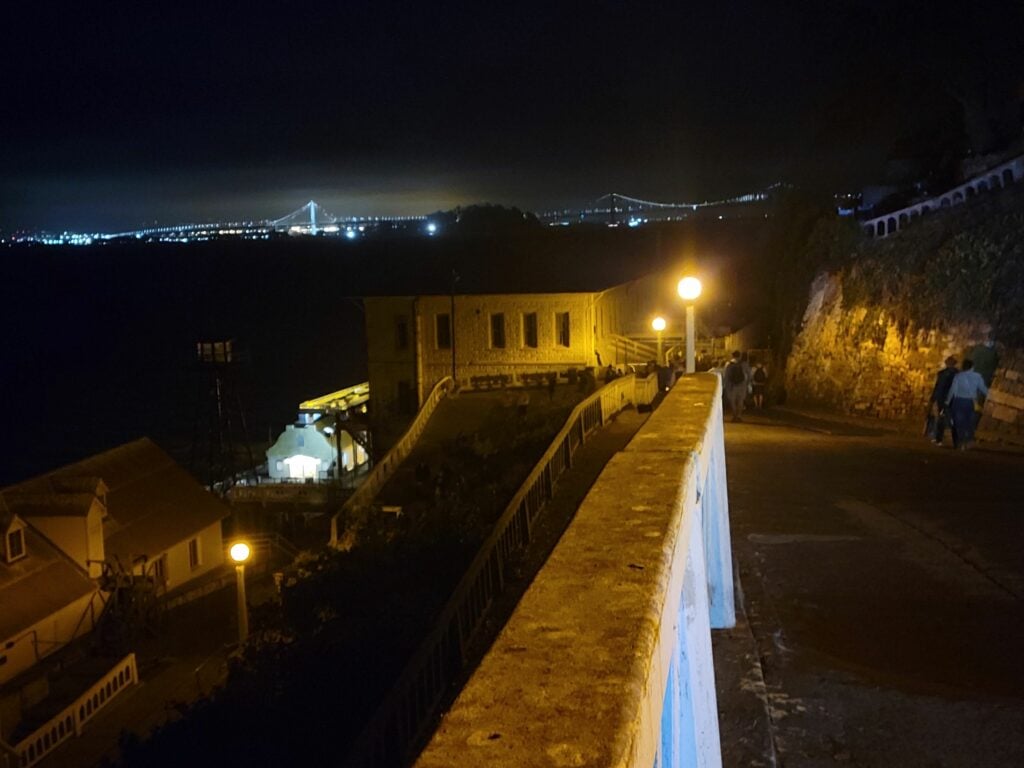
498 337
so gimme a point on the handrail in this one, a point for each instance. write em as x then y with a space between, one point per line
398 724
383 470
631 346
1015 165
70 720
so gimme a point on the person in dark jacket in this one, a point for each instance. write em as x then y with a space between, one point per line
943 381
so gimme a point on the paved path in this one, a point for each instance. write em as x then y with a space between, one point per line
881 600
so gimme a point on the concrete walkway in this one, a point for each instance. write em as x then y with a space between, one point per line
880 599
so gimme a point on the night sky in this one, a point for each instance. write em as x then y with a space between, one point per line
118 114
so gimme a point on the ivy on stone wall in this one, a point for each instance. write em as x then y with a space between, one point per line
965 265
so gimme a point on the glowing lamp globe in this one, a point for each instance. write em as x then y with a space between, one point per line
689 288
658 324
239 552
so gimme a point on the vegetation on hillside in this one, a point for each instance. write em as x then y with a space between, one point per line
963 265
322 659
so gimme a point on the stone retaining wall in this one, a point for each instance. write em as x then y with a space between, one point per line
861 361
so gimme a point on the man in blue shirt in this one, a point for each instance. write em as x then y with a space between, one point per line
963 393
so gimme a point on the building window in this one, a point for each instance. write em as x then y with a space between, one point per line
159 570
193 553
15 545
562 329
530 329
401 332
498 330
444 331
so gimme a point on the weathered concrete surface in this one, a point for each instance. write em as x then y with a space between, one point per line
883 601
578 675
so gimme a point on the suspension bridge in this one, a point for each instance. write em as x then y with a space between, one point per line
312 218
615 208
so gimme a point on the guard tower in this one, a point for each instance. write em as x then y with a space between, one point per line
220 436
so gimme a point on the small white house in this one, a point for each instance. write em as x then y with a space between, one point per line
309 450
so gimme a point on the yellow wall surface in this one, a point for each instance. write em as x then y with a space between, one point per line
80 538
48 636
211 555
387 363
476 355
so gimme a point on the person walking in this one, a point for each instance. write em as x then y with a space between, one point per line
937 403
734 381
760 380
964 392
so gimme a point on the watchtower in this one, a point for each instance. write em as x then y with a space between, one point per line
220 418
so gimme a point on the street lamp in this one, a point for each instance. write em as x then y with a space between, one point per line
689 290
240 553
658 324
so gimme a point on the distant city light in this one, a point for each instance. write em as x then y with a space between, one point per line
351 234
431 228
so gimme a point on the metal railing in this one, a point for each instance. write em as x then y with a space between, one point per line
70 720
634 684
386 467
646 389
400 723
634 351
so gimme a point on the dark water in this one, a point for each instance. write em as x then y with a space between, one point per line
97 344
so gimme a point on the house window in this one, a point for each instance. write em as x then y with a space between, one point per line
498 330
444 331
562 329
530 329
15 545
193 553
401 332
159 570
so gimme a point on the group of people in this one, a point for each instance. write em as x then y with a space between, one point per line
740 380
953 403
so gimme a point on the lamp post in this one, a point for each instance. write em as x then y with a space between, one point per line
689 289
658 324
240 553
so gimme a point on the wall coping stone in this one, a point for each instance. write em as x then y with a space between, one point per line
578 674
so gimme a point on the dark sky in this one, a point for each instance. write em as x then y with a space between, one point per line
120 113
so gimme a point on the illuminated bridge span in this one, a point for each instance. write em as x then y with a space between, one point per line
615 208
310 219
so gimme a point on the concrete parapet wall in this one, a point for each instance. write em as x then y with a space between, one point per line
607 658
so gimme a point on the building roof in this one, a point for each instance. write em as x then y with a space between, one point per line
37 585
152 503
306 440
50 504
